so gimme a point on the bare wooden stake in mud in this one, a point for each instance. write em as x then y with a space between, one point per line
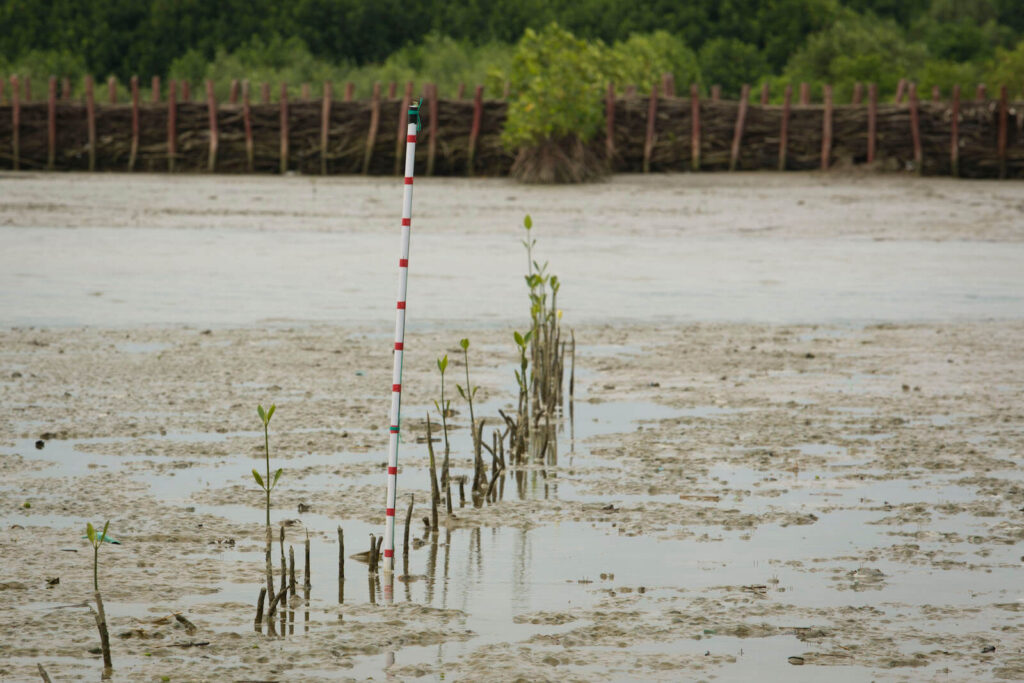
325 126
371 136
858 93
154 86
250 152
42 673
283 103
954 134
787 99
609 123
474 131
408 522
434 494
51 124
307 570
1001 136
291 569
341 554
134 153
915 129
652 115
826 130
737 135
90 121
432 128
172 124
284 570
872 120
259 608
694 127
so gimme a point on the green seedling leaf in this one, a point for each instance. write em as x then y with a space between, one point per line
107 539
464 343
90 533
277 475
519 339
103 536
527 222
261 413
258 478
461 392
270 413
442 363
474 390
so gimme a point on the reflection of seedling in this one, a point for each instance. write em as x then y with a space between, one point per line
444 407
100 614
267 484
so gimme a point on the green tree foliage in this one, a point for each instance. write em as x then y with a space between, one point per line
730 63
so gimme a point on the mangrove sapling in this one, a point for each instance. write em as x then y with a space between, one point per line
434 495
467 393
444 407
268 484
99 613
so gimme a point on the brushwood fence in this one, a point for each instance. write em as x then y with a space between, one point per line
654 132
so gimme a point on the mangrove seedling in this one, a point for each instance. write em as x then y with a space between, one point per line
268 484
467 393
444 407
99 613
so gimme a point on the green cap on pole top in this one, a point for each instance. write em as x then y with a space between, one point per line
414 114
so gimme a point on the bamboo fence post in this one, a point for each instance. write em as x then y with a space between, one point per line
283 105
350 89
15 123
134 151
858 93
1001 139
954 134
805 94
406 99
65 89
233 92
609 122
325 126
826 129
474 131
462 91
765 94
155 86
915 127
51 124
737 135
872 120
392 88
936 93
250 152
981 94
112 89
694 127
172 124
186 91
901 89
90 121
668 84
787 101
432 144
716 93
304 92
652 115
211 108
371 135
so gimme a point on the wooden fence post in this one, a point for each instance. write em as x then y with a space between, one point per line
51 124
915 128
936 93
392 88
28 89
765 94
609 123
716 93
668 84
858 93
432 145
901 89
694 127
652 115
462 91
186 90
826 129
474 131
134 152
371 136
805 94
233 92
284 127
350 89
981 94
872 120
304 92
112 90
172 124
264 93
247 124
90 119
155 85
403 124
65 89
737 135
325 126
15 123
787 103
954 134
1001 139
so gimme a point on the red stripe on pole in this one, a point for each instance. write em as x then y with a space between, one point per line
389 553
391 512
408 181
396 387
403 263
406 221
410 138
399 346
401 304
392 470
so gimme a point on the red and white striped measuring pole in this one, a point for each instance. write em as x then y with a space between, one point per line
396 378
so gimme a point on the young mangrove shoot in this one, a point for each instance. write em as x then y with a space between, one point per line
444 407
99 613
467 393
268 484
